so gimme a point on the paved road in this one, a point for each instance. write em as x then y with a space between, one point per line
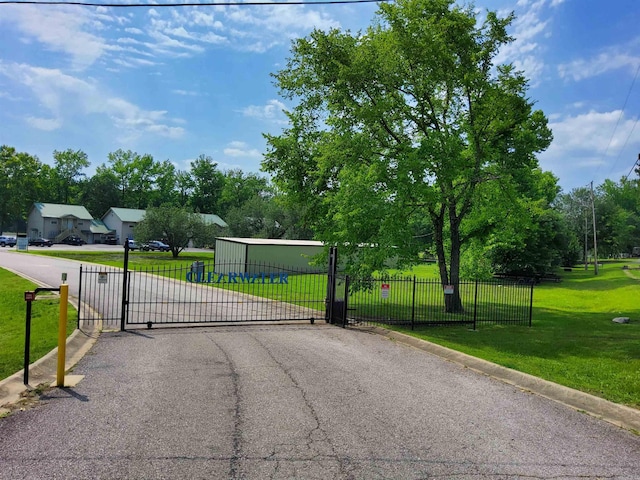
298 401
289 401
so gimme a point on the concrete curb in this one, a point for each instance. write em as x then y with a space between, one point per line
44 370
619 415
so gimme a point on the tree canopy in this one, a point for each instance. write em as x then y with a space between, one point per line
174 225
409 119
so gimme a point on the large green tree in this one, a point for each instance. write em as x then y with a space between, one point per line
20 186
100 192
136 175
207 184
68 171
174 225
406 120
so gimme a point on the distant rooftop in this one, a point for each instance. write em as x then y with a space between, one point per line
132 215
272 241
55 210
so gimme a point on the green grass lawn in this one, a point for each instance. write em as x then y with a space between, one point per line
45 314
573 340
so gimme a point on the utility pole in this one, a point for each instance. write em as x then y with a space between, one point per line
586 240
595 242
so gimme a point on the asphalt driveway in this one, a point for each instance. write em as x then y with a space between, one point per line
297 401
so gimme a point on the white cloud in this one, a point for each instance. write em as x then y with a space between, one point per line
240 149
586 144
65 97
613 58
62 30
46 124
533 22
271 112
186 93
591 132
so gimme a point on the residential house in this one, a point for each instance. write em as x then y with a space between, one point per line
57 222
122 221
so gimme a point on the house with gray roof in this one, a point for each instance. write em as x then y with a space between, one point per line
122 221
56 222
209 218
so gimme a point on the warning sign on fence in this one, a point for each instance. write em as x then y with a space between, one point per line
448 289
384 290
102 277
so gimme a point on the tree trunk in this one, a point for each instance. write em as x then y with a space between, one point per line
453 302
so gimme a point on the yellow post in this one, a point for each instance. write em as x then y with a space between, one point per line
62 333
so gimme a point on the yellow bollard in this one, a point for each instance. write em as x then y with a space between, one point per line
62 333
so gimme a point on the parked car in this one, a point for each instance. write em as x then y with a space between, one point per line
40 242
111 240
132 244
7 241
73 240
154 245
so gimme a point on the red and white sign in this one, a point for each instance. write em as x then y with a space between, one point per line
384 290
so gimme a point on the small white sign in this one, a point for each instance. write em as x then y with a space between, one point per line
384 290
448 289
102 277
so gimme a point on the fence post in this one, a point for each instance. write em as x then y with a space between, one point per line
346 301
413 304
79 297
331 283
28 296
475 306
531 304
124 285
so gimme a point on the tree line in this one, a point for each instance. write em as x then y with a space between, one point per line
404 141
247 202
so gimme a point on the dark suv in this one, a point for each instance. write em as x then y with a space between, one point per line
73 240
40 242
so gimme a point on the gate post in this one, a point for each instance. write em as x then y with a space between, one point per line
125 271
331 283
346 301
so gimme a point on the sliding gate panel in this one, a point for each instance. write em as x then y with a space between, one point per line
198 294
100 295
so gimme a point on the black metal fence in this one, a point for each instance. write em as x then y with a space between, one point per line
204 293
411 301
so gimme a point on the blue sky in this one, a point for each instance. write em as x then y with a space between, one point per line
179 82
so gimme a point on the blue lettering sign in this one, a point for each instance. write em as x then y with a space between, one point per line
237 277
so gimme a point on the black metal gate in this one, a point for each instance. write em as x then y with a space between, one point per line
198 293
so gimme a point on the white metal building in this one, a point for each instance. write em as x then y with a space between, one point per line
237 254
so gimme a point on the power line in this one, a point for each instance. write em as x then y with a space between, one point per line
613 166
636 164
189 4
